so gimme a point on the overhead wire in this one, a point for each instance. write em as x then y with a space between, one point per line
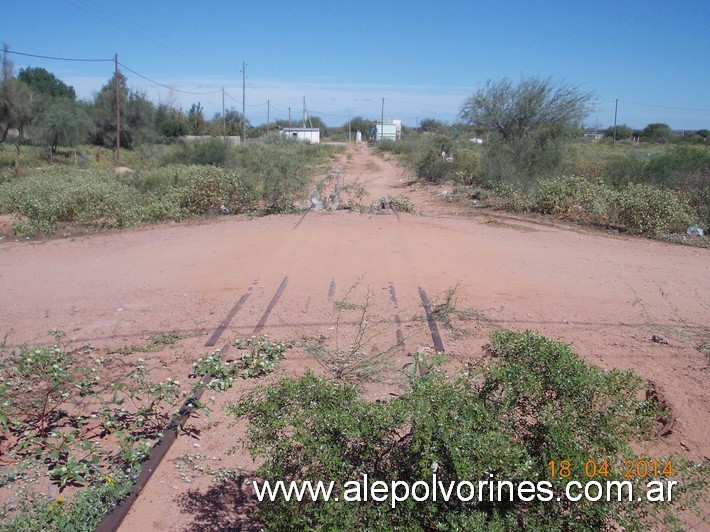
665 106
60 58
349 111
167 86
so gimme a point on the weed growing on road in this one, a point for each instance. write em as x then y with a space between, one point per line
335 193
401 203
448 314
63 418
156 342
260 356
359 360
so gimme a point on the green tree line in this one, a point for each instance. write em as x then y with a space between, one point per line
43 109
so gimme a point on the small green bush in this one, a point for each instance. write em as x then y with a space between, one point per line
576 198
622 170
213 189
679 166
466 164
645 209
532 401
213 151
401 203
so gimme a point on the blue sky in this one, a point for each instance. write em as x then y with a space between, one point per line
424 58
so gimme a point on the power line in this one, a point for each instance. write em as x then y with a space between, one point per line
166 86
666 107
60 58
232 97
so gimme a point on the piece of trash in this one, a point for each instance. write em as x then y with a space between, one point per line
315 200
694 230
223 209
656 338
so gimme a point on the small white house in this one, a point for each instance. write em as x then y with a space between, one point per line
386 131
306 134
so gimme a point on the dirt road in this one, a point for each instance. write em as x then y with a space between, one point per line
607 295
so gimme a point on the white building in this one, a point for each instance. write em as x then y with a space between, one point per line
306 134
387 131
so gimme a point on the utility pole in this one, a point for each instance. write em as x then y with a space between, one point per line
382 129
224 122
616 108
304 111
350 138
244 91
268 113
289 117
118 109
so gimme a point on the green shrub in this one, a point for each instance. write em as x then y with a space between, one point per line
466 164
56 195
401 203
575 198
560 195
213 151
522 162
679 166
266 178
211 189
645 209
621 170
699 202
431 167
533 401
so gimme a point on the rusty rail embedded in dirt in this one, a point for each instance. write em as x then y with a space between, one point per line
435 335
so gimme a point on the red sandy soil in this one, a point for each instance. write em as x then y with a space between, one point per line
620 301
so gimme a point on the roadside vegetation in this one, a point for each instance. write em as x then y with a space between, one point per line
528 404
76 422
520 148
517 147
207 178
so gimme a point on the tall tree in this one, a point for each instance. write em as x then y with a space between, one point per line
432 125
103 111
63 123
532 107
196 120
170 122
530 122
317 121
658 132
15 106
621 132
41 81
360 124
136 113
232 122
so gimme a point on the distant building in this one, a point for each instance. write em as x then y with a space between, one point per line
306 134
390 130
594 135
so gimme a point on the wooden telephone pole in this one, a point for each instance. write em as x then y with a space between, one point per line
118 109
244 92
